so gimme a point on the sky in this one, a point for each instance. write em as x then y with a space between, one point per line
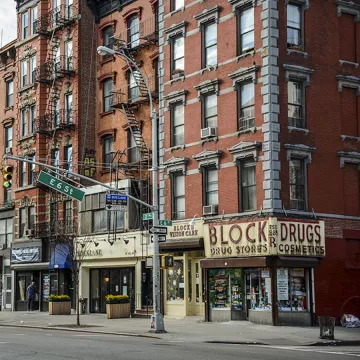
8 20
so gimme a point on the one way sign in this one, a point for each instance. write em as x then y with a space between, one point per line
160 230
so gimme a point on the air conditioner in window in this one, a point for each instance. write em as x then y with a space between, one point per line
8 150
210 210
208 132
2 246
30 233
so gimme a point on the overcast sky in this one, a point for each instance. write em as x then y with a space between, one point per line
8 20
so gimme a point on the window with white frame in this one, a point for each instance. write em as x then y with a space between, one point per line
247 192
9 93
294 25
68 213
178 196
55 157
295 104
209 102
69 55
33 118
34 19
68 108
134 90
176 282
56 112
31 171
108 150
8 138
209 44
68 160
246 27
134 31
108 38
22 222
108 88
178 55
246 96
24 71
178 126
25 25
33 69
22 174
23 122
297 183
133 150
177 4
6 232
211 187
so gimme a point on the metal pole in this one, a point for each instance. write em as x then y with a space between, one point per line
67 172
159 320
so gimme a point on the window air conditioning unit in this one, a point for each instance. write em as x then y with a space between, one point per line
8 150
2 246
30 232
210 210
208 132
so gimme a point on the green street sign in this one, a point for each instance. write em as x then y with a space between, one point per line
147 216
165 222
60 186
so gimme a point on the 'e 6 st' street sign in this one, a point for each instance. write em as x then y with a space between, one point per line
61 186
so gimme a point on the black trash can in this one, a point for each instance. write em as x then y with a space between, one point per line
83 305
327 327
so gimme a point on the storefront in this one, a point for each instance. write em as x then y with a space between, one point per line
262 270
183 291
117 268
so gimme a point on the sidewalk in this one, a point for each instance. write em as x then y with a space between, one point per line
189 329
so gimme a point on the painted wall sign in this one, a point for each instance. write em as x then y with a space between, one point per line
185 230
265 237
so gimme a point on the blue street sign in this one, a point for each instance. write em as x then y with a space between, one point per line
116 197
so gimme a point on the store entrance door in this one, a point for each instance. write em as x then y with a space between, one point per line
199 290
146 286
7 292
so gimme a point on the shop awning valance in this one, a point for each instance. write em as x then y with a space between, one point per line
60 258
233 262
183 245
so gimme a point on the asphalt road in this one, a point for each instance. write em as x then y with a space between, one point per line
35 344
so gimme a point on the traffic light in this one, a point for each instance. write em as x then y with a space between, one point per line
167 261
7 176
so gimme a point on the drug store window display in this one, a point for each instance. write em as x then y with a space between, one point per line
258 289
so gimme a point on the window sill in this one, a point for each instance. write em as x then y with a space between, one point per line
252 129
209 139
209 68
177 77
9 108
347 137
26 137
251 52
345 62
105 113
292 128
173 12
107 60
177 147
25 188
298 52
24 41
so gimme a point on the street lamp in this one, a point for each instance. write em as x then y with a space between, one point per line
157 322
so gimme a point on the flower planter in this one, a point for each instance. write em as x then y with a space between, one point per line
117 310
59 308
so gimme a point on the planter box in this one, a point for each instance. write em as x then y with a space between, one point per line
115 311
59 308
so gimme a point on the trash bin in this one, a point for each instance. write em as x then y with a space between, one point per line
83 305
327 326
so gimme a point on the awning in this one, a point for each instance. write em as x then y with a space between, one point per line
233 262
297 261
60 258
183 245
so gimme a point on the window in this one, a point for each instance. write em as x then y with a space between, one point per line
22 174
178 193
56 14
33 118
68 213
247 106
177 115
133 150
33 69
211 187
23 73
69 8
210 45
31 218
6 232
8 137
108 88
7 196
22 222
248 185
134 32
23 119
55 158
31 171
108 150
56 113
297 184
69 55
177 4
178 54
10 93
210 110
68 158
295 104
68 108
246 26
108 38
104 220
134 90
25 25
54 216
294 25
176 282
57 64
34 19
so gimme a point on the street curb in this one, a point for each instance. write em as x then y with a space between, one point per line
335 343
80 330
235 342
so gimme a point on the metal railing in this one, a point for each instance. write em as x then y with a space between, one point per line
56 228
137 36
57 119
59 67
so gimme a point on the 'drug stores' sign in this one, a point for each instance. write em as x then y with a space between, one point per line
266 237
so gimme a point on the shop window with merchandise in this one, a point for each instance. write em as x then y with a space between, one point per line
258 289
175 282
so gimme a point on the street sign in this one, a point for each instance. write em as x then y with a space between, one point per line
160 230
116 202
161 238
165 222
61 186
147 216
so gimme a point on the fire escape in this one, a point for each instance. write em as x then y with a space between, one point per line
135 161
51 74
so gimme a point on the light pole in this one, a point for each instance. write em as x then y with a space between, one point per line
157 322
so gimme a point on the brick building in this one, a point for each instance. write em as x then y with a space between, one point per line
259 129
54 123
8 97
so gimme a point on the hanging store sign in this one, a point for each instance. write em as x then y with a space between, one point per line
183 230
25 254
265 237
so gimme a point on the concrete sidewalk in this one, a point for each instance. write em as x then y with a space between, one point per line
189 329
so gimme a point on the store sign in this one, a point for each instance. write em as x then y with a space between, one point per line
25 254
184 230
266 237
90 253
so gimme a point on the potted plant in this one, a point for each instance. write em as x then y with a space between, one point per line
59 305
177 73
117 306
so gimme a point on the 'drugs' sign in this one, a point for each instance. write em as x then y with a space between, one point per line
265 237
